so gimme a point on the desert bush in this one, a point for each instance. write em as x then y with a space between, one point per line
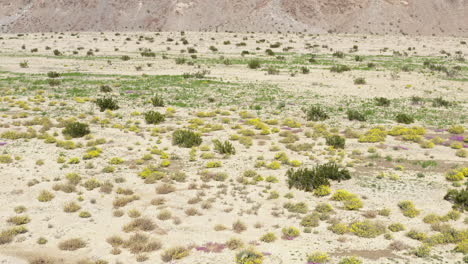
224 147
271 70
254 64
311 220
340 68
459 198
367 229
72 244
53 74
440 102
396 227
422 251
316 113
417 235
71 207
105 103
186 138
408 209
350 260
45 196
300 208
338 228
359 80
310 179
19 220
157 101
238 226
290 233
355 115
249 256
76 129
234 243
318 257
153 117
382 101
165 188
404 118
174 253
268 237
139 224
336 141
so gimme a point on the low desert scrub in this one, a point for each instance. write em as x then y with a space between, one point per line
350 260
249 256
124 200
239 227
310 179
72 244
140 243
76 129
107 103
367 229
153 117
268 237
290 233
316 113
139 224
71 207
225 147
318 257
234 243
186 138
408 209
157 101
336 141
174 253
45 196
19 220
165 188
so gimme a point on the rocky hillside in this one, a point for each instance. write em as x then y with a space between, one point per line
425 17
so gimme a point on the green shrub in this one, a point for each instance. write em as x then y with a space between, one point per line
360 80
459 198
268 237
254 64
249 256
53 74
45 196
224 147
367 229
153 117
408 209
414 234
336 141
300 208
316 113
355 115
422 251
157 101
72 244
350 260
439 101
186 138
382 101
76 129
340 68
310 179
338 228
311 220
396 227
107 103
290 233
318 257
404 118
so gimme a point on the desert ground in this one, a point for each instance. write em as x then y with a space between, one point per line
203 148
